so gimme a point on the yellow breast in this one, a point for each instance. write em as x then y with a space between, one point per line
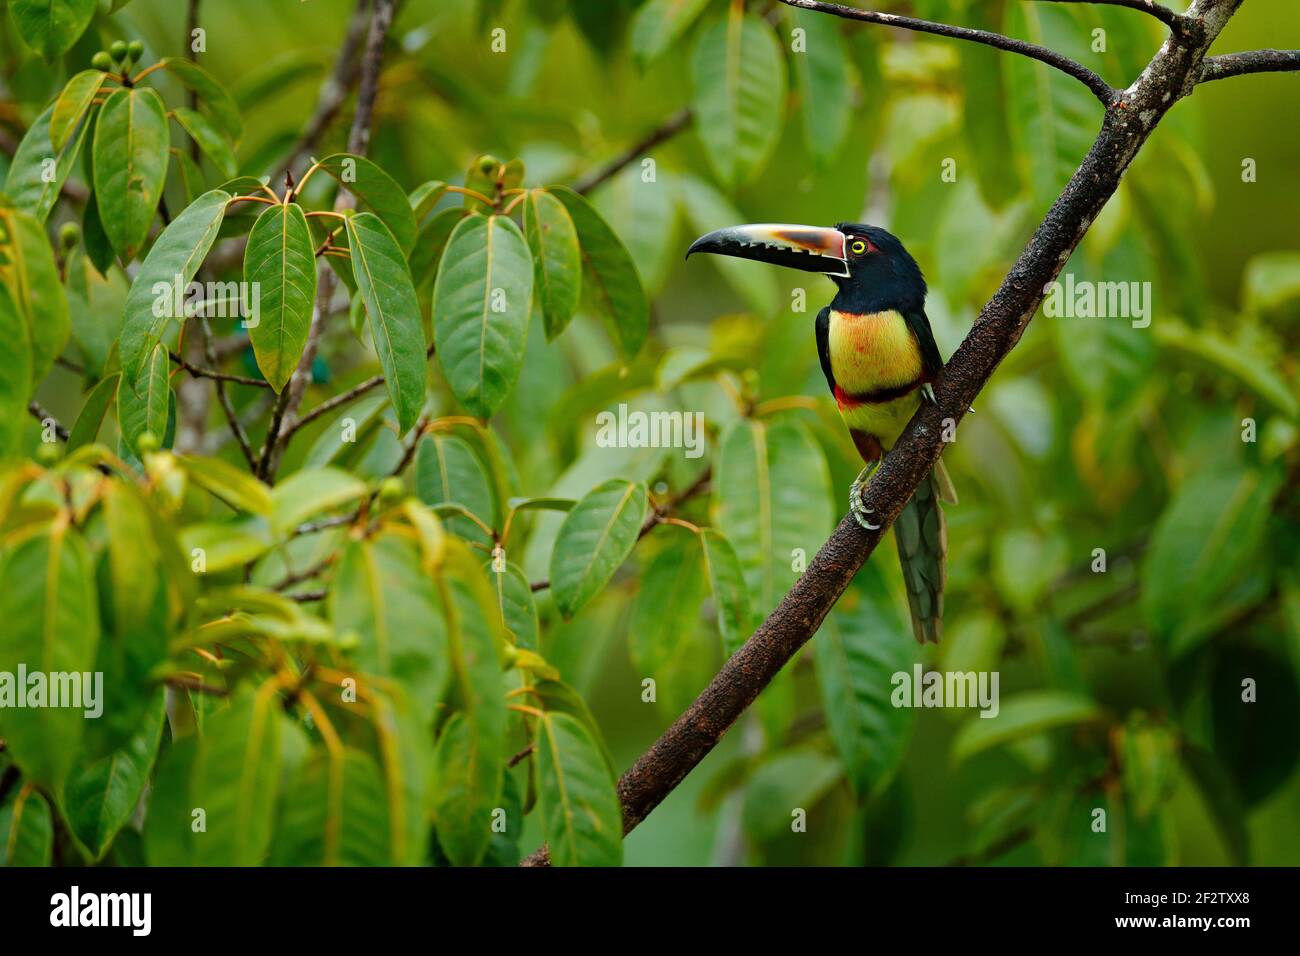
871 352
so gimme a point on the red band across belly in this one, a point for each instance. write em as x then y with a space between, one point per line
881 395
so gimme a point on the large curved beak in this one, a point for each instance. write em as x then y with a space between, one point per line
810 248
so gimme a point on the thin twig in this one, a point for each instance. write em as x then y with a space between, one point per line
659 135
1099 87
1252 61
198 372
41 415
1159 11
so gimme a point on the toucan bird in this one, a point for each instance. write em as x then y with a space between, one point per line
879 357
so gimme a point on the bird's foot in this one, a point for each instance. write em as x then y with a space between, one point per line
861 513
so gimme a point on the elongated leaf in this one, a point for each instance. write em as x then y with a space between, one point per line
130 156
133 557
659 23
381 593
792 779
425 196
446 471
95 304
280 265
377 191
596 537
581 816
739 88
643 213
863 644
392 314
102 794
481 305
557 264
339 814
1206 535
72 105
51 27
430 245
310 492
730 594
209 138
667 607
224 544
142 402
821 75
98 249
230 484
772 500
610 280
174 258
1252 368
406 761
518 608
222 106
28 268
1028 713
15 375
39 168
26 830
47 599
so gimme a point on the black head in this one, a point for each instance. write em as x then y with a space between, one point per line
872 269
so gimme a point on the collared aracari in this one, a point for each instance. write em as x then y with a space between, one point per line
879 357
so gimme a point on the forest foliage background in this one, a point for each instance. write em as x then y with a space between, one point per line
1120 690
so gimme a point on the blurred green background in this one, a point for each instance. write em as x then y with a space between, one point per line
1093 434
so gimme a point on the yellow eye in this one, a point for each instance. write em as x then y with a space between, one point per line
858 247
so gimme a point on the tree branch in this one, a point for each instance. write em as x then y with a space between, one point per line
1170 76
1174 20
1099 87
659 135
1253 61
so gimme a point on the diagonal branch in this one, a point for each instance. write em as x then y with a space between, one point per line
1253 61
659 135
1099 87
1168 77
1162 13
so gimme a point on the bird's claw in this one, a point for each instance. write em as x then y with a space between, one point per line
861 513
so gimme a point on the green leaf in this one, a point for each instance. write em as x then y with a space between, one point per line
235 778
1024 715
280 262
447 470
377 191
517 607
225 544
209 138
772 499
556 260
644 216
133 557
739 81
406 761
29 183
986 122
1207 534
1255 370
425 196
98 249
667 608
26 830
28 268
610 280
790 780
338 815
175 256
130 157
392 314
15 376
581 816
230 484
430 244
51 27
659 24
102 794
95 305
1222 800
706 209
595 538
73 104
222 106
821 75
864 642
381 593
47 599
142 402
310 492
730 594
481 305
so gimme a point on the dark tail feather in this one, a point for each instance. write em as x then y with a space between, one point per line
923 550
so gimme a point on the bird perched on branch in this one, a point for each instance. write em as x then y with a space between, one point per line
878 355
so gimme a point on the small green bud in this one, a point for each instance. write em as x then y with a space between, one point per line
102 62
135 50
69 234
146 443
49 453
391 489
118 50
